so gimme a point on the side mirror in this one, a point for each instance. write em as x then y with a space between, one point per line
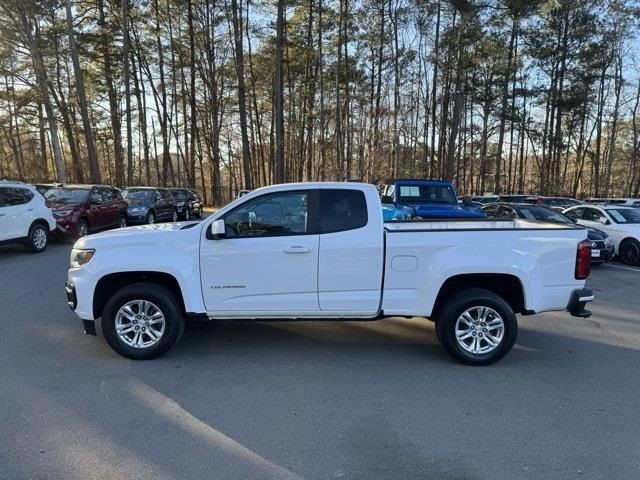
387 199
217 230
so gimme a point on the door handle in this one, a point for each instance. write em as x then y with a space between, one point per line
297 249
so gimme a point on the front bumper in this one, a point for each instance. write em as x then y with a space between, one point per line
137 217
577 302
72 300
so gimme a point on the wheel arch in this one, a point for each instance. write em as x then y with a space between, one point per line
505 285
109 284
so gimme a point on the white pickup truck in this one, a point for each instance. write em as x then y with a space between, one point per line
322 251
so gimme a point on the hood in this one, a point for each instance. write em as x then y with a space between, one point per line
139 235
446 210
136 203
61 206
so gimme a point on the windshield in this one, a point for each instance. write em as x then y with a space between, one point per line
179 195
67 195
543 214
624 215
427 194
147 195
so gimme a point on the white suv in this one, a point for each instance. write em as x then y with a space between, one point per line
621 223
24 216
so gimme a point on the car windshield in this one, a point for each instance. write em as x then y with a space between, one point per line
427 194
67 195
179 195
543 214
138 194
624 215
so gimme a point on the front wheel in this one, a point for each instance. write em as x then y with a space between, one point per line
38 238
630 251
151 218
142 321
82 228
476 327
122 221
187 214
174 216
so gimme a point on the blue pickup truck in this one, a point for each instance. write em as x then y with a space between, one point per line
427 198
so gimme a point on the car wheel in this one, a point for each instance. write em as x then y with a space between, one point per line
416 217
82 228
174 217
142 321
187 214
122 221
38 238
151 218
629 251
199 213
476 327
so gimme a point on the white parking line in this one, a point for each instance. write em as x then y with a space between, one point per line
620 266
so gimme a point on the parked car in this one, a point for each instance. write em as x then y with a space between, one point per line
485 199
428 198
188 203
514 198
24 216
621 223
629 202
557 203
44 187
602 249
391 211
82 209
150 205
309 250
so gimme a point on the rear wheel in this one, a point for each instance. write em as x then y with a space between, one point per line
476 327
38 238
629 251
142 321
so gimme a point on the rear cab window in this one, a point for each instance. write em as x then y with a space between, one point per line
342 210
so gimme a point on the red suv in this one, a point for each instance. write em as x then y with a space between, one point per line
80 209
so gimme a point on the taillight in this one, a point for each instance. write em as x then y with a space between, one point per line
583 260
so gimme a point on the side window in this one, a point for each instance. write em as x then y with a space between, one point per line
491 211
591 214
506 212
107 194
283 213
341 210
575 214
116 194
96 196
14 196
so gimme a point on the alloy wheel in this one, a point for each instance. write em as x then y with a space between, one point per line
479 330
39 238
140 324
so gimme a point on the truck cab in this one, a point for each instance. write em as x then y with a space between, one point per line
428 198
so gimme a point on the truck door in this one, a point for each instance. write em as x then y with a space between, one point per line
351 253
268 261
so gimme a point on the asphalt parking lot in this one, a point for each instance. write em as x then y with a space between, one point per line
315 400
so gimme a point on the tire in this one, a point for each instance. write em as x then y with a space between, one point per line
476 302
122 221
82 228
187 214
157 299
174 216
38 238
198 213
629 251
151 218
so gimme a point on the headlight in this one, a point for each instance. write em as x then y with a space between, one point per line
62 213
607 241
80 257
